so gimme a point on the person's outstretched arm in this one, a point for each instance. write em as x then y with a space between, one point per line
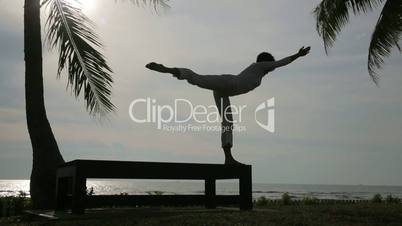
271 65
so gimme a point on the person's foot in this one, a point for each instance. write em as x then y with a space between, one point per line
233 162
161 68
156 67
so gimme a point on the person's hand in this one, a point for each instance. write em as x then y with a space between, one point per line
304 51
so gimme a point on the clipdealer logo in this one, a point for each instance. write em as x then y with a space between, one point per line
161 115
267 107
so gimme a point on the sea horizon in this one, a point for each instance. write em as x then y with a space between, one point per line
12 187
256 182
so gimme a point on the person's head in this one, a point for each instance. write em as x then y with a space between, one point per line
264 56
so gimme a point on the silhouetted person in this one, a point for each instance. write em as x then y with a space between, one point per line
227 85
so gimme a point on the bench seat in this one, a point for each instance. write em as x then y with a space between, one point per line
72 176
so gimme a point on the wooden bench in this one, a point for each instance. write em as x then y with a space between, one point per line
72 176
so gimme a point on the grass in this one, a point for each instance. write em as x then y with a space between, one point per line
14 205
286 211
378 214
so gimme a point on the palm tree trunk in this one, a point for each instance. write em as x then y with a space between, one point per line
46 155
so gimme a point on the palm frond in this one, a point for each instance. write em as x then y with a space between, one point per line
332 15
44 2
385 37
156 4
69 30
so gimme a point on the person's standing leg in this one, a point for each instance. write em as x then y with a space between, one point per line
223 104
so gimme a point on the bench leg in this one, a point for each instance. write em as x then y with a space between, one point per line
79 195
246 199
210 193
62 187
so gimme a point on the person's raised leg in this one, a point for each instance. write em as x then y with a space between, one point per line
223 84
223 105
163 69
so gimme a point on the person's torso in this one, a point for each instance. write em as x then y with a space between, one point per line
249 79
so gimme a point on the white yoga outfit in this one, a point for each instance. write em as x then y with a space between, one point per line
227 85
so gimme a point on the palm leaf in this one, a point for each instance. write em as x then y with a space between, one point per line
385 36
153 3
332 15
72 33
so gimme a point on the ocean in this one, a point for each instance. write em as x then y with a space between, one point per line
271 191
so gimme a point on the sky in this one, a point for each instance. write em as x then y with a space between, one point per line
333 125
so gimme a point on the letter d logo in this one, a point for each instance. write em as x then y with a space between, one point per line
267 106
